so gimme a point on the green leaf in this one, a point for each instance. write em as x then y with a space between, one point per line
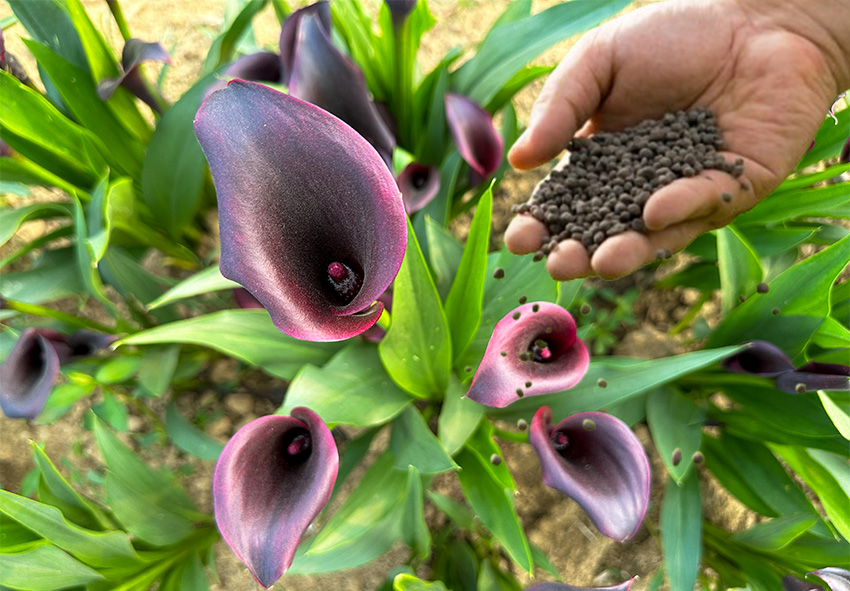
463 304
676 424
85 254
378 494
801 290
12 219
413 444
518 81
248 335
625 379
49 22
417 350
156 368
813 552
681 532
112 411
188 437
224 46
118 369
769 406
352 389
768 242
740 269
541 560
458 513
832 335
405 582
482 445
54 275
61 399
829 139
459 417
773 535
200 283
493 503
444 254
838 413
44 568
92 547
507 48
414 530
779 207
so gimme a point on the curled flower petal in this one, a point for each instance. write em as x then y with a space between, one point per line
472 129
376 334
400 10
596 460
760 359
135 52
815 376
792 583
562 587
272 479
289 33
312 222
244 299
837 579
322 75
419 185
533 350
27 375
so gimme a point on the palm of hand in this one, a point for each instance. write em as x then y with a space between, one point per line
769 89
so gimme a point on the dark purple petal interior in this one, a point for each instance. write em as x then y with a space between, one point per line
27 375
244 299
596 460
300 192
814 376
533 350
289 32
760 358
322 75
837 579
272 479
562 587
472 129
85 343
792 583
419 185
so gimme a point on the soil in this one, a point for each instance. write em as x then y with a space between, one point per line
554 523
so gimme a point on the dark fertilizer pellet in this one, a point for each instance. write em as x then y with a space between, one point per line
762 288
611 175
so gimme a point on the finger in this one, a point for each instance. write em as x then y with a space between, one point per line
568 260
568 99
525 234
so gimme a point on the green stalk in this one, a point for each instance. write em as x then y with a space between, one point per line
519 437
118 15
70 319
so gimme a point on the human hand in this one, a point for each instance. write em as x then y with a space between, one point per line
768 83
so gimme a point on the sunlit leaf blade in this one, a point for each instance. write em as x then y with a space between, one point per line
414 530
44 568
773 535
188 437
206 281
740 269
676 424
838 413
413 444
459 417
681 531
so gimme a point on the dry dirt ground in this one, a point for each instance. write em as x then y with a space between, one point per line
553 522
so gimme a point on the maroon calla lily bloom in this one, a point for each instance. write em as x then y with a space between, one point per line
135 52
562 587
767 360
477 140
837 579
419 185
792 583
533 350
272 479
312 222
289 33
759 359
322 75
400 10
245 300
596 460
845 153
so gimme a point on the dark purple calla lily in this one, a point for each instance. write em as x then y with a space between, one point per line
272 479
596 460
792 583
845 153
135 52
27 375
419 185
477 140
289 33
814 376
400 10
376 334
562 587
533 350
760 359
85 343
837 579
312 222
322 75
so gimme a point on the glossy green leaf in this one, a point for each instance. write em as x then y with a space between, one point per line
206 281
483 445
223 47
801 181
459 417
48 22
740 269
92 547
352 455
814 551
681 532
86 256
463 304
838 413
44 568
248 335
458 513
768 405
541 560
55 490
829 139
493 504
676 424
379 493
353 388
112 412
413 444
406 582
773 535
156 368
791 205
117 370
430 101
508 48
414 530
123 271
748 426
832 335
188 437
54 275
417 350
444 254
518 81
12 219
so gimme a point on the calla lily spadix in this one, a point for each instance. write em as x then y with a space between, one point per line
596 460
478 142
272 479
419 185
312 222
533 350
562 587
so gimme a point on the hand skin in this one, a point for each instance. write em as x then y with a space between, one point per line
769 69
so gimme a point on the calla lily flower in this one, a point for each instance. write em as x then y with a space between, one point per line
289 33
135 52
322 75
792 583
837 579
845 153
759 359
376 333
769 361
477 140
562 587
419 185
400 10
533 350
272 479
244 299
596 460
312 222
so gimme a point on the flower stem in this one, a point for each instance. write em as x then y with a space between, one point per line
510 435
70 319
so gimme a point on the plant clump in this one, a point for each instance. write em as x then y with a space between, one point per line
610 176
